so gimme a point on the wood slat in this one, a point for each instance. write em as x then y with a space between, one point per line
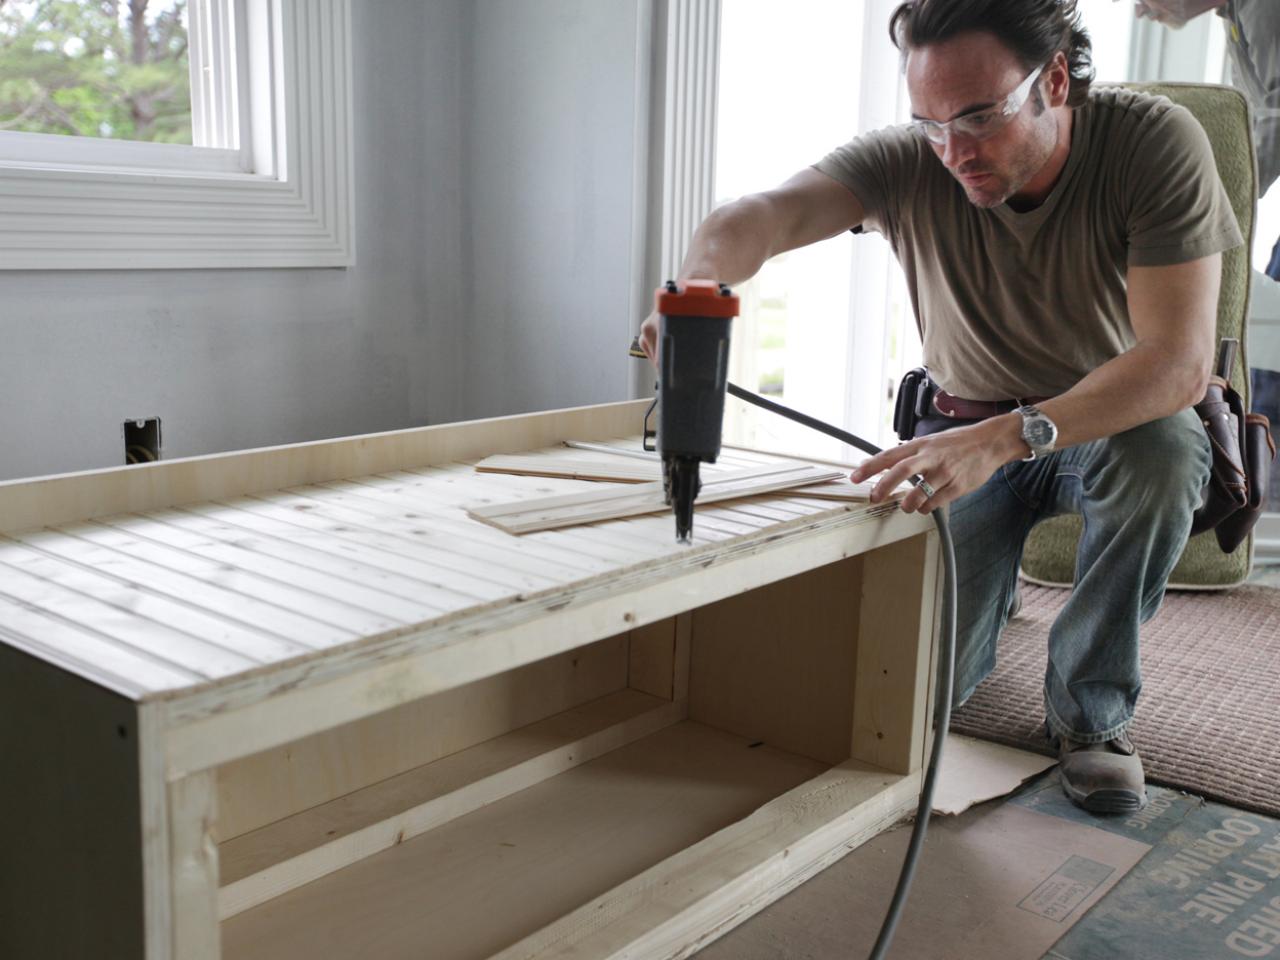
588 556
630 471
271 525
321 515
641 536
261 631
544 514
88 653
113 618
459 533
243 529
168 537
629 448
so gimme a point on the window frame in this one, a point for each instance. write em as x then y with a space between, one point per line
282 199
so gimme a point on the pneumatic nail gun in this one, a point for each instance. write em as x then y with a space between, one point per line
693 368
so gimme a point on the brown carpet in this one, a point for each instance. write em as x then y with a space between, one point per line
1208 720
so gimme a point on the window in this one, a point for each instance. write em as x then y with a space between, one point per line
262 181
110 70
828 328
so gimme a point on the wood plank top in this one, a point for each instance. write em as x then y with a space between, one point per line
156 602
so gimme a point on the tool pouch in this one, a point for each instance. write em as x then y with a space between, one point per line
915 393
1259 452
1242 449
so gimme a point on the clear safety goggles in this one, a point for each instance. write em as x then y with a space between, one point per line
983 123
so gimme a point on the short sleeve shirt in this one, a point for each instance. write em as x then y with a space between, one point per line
1014 304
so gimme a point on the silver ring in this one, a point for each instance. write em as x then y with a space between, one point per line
928 490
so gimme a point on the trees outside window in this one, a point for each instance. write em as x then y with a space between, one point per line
102 68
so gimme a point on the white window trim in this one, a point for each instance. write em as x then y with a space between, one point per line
688 148
294 210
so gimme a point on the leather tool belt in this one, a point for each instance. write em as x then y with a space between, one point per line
1242 445
920 397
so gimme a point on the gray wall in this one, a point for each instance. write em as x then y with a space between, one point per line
494 165
554 188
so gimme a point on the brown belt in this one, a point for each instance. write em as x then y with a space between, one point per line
962 409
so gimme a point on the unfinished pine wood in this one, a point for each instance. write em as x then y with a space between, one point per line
272 596
454 530
282 857
447 653
776 664
193 868
527 516
306 528
651 659
639 467
632 471
620 447
237 717
897 621
278 783
396 511
568 840
639 536
109 610
118 667
168 539
49 501
413 541
686 901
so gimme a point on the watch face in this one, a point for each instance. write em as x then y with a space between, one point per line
1038 431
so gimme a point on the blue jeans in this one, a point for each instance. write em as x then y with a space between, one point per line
1136 491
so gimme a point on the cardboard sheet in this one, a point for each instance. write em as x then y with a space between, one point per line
974 771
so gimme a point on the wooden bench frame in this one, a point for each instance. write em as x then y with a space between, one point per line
134 777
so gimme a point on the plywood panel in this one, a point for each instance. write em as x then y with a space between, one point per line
48 501
283 856
777 664
276 783
652 659
566 840
896 627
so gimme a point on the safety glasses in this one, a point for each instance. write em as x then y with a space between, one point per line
983 123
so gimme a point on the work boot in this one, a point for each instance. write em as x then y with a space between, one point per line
1102 777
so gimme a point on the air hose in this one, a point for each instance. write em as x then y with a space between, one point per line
945 675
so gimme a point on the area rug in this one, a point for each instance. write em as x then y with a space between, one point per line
1208 720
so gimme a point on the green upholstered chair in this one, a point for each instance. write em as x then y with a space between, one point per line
1050 555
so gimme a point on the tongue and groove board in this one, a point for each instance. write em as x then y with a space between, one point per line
319 671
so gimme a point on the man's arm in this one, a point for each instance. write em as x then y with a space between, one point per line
1173 311
735 240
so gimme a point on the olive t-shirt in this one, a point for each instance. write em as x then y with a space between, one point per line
1026 304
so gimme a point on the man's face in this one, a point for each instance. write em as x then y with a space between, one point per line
967 74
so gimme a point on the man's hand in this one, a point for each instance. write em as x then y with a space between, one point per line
649 337
953 463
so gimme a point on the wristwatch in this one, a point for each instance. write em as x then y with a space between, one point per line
1039 432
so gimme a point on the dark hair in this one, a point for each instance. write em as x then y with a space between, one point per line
1034 30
